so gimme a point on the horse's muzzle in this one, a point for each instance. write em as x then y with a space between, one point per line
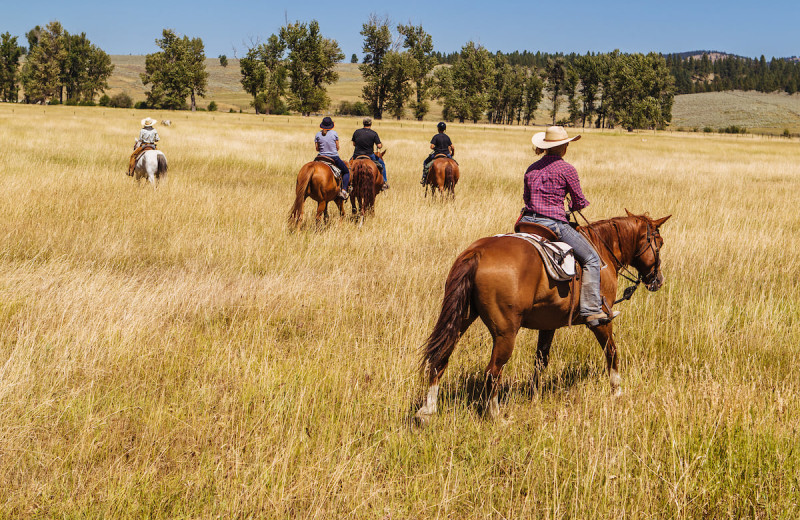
655 283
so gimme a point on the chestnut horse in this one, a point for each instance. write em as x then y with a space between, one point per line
442 177
502 280
367 182
315 180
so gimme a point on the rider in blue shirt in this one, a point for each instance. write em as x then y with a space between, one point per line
327 144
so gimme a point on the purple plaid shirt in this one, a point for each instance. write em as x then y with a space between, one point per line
547 182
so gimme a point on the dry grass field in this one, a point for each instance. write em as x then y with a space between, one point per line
176 353
755 111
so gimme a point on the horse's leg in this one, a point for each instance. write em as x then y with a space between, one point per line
501 353
321 209
340 205
434 375
542 354
604 335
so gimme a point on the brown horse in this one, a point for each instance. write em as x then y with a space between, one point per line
315 180
442 177
367 182
502 280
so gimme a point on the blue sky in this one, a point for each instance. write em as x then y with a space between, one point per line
743 28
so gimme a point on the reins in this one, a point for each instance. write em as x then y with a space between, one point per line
627 294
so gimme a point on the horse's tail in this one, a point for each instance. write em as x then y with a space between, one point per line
456 310
161 171
303 178
364 183
449 178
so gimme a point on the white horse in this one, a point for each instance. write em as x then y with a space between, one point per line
152 165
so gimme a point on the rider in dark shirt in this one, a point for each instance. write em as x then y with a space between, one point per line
441 145
363 141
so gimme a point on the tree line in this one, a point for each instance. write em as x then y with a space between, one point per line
402 72
59 66
729 72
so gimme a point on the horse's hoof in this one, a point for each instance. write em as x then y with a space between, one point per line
421 420
617 393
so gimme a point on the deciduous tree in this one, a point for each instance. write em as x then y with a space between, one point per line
264 74
377 43
176 72
10 54
41 74
419 46
311 65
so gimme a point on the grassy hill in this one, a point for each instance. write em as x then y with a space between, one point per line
756 111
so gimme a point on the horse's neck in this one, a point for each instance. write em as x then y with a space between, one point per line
609 242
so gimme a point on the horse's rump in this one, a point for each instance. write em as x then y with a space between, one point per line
363 173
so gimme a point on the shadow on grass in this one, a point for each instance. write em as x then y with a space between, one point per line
470 388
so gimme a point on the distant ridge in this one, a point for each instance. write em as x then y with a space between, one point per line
712 55
718 55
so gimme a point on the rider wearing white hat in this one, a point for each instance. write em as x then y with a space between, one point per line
547 183
148 137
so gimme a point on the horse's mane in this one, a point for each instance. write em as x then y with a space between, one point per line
620 230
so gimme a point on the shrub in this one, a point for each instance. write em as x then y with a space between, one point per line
121 100
358 108
733 129
212 107
54 101
140 105
708 129
71 102
223 60
104 101
263 105
786 133
232 111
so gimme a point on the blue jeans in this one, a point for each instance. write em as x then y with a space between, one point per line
591 299
345 170
383 165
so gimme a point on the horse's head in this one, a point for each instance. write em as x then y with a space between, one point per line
380 153
647 257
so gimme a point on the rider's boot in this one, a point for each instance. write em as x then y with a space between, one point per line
591 302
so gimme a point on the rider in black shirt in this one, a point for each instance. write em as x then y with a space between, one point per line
440 144
363 140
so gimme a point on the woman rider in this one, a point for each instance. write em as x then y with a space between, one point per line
547 182
327 144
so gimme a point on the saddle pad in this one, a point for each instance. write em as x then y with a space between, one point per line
337 173
557 257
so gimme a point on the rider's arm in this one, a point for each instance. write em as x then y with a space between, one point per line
574 190
452 149
432 147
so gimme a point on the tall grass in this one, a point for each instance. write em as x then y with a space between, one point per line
178 353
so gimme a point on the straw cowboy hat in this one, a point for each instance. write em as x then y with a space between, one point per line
552 137
148 121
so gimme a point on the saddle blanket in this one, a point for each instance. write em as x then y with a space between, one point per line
337 173
557 257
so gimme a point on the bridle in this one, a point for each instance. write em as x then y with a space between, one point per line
650 245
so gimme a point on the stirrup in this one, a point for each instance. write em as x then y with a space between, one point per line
343 194
595 320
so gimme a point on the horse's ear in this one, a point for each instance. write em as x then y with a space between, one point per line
661 221
629 213
384 152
